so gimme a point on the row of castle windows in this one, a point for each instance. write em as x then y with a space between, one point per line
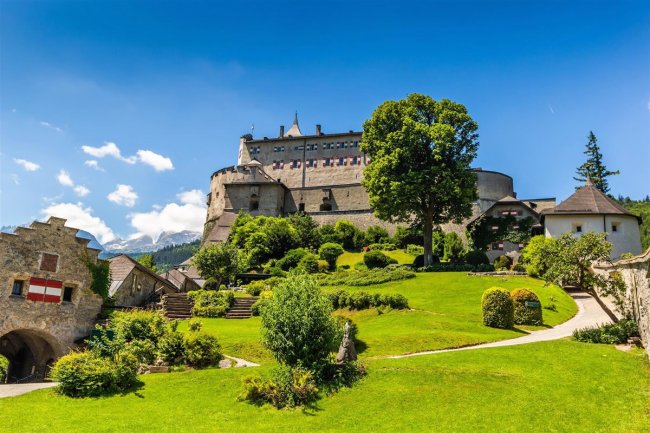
255 150
326 162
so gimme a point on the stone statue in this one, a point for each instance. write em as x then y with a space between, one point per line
347 351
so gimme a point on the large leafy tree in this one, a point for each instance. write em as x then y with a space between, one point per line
421 151
594 168
220 262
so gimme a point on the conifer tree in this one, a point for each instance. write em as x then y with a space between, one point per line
594 168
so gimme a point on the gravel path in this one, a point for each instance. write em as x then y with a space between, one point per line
589 314
241 362
12 390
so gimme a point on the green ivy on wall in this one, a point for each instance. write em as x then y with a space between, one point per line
101 277
488 229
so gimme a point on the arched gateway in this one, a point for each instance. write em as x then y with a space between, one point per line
46 303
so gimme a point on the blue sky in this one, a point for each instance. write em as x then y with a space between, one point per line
174 84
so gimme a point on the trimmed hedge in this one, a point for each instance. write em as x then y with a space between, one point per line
376 259
364 278
201 350
498 308
528 309
476 258
456 267
363 300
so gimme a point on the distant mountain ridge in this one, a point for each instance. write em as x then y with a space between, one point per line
146 244
142 244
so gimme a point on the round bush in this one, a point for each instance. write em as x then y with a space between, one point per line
291 259
144 350
528 309
85 374
476 258
498 308
376 259
202 350
171 348
502 263
330 252
309 263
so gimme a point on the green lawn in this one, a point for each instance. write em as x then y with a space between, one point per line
446 313
351 258
562 387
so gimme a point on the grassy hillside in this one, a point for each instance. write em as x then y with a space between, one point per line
561 387
352 258
446 312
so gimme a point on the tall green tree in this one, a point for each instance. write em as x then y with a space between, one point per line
421 151
220 262
147 261
594 168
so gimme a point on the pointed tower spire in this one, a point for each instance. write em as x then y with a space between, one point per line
294 131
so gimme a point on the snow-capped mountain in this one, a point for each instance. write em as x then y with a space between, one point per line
146 243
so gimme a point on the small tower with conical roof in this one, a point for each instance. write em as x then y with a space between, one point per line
294 131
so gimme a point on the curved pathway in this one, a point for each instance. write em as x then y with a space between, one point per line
590 313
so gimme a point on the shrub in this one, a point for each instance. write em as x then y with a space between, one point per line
287 387
291 259
211 284
615 333
323 266
476 258
362 300
418 262
415 250
377 259
171 348
223 287
349 235
456 267
85 374
201 350
502 263
404 236
194 325
211 304
498 309
4 367
309 263
365 278
525 312
336 376
330 252
138 325
144 350
297 326
254 288
376 235
454 248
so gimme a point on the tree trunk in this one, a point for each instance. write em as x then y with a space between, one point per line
602 304
428 240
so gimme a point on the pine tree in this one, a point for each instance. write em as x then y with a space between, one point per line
594 168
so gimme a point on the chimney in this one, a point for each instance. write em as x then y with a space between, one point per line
281 131
318 130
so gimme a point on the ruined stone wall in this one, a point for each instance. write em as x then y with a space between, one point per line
636 274
20 259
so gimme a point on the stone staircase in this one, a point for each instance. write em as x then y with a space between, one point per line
177 306
241 308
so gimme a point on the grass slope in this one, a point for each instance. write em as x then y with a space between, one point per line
562 387
351 258
447 313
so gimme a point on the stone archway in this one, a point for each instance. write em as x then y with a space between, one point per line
30 353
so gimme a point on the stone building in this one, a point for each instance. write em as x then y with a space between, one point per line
589 210
133 284
46 304
319 174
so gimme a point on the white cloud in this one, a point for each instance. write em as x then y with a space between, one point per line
80 217
92 163
123 195
81 190
158 162
108 149
64 178
194 196
174 217
49 125
148 157
27 165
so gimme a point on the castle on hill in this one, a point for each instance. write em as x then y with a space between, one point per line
320 174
